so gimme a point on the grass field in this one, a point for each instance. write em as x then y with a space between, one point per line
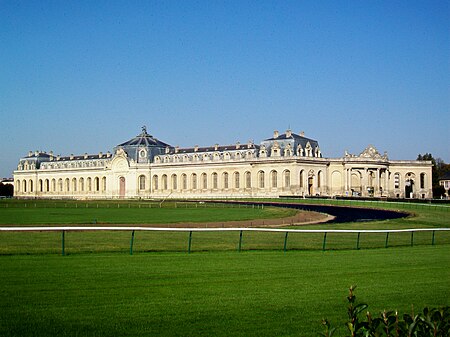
212 294
35 212
215 291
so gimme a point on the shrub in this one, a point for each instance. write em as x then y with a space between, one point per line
433 322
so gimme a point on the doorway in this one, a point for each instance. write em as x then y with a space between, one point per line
122 187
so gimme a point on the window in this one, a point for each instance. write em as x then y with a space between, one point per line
53 185
142 181
89 184
274 178
81 184
60 185
74 184
24 185
31 185
67 185
261 179
41 186
194 181
155 182
397 180
174 182
236 180
287 178
422 180
104 184
204 181
164 182
319 179
248 180
97 184
225 180
302 174
214 180
184 181
17 186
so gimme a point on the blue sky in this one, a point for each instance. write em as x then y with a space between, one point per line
83 76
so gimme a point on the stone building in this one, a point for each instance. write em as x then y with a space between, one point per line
285 164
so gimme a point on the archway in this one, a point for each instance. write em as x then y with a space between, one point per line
409 188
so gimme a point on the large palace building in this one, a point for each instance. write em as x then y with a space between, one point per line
286 164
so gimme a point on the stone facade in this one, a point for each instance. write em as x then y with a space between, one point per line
285 164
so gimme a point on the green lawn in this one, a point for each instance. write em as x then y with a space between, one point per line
36 212
259 293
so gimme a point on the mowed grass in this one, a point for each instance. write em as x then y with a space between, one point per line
39 212
259 293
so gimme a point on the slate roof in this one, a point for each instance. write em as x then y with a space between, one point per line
144 140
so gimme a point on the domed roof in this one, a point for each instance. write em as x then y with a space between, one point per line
144 140
143 147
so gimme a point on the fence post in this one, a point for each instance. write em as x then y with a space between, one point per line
387 240
285 241
240 241
357 241
324 241
412 239
131 243
189 242
63 248
432 239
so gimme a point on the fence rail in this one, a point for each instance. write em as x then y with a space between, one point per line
241 231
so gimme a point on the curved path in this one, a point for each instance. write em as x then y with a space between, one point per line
338 214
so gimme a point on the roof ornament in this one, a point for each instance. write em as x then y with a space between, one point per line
144 129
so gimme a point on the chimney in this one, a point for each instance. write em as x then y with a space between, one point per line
30 153
238 145
302 133
71 156
100 154
85 155
275 134
108 154
216 147
288 133
177 148
195 148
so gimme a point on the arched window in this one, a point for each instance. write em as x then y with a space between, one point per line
89 184
422 180
104 184
174 182
287 178
204 181
236 180
67 183
17 186
81 184
302 178
319 179
274 178
60 185
142 180
194 181
184 181
97 184
74 184
24 183
214 180
53 185
155 182
225 180
164 182
41 186
248 180
261 179
31 185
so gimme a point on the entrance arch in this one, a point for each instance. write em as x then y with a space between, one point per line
122 187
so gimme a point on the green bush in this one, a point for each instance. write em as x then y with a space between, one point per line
433 322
